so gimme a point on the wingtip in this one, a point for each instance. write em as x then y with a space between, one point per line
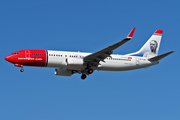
131 33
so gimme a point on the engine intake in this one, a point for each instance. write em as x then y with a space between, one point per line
63 72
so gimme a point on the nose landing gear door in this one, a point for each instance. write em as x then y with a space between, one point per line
27 54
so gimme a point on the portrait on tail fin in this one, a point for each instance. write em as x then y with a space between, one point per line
153 46
152 52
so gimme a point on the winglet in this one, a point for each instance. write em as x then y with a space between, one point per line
159 32
131 33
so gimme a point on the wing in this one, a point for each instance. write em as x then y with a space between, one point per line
94 58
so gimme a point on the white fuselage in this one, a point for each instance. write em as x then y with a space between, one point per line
58 59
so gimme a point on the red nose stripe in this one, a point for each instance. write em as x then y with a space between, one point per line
28 58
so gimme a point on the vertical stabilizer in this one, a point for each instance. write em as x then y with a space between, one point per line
151 47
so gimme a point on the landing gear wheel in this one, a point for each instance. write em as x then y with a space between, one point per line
90 71
83 76
22 70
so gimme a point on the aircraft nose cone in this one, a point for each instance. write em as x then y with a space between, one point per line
7 58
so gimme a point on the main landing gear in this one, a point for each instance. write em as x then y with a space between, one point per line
89 71
83 76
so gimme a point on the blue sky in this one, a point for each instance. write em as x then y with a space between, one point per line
89 26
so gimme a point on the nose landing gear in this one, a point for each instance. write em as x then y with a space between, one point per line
22 70
19 65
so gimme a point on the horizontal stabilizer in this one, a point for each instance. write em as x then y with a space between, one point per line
159 57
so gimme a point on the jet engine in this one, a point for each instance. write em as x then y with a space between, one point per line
63 72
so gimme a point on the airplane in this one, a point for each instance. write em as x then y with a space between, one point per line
67 63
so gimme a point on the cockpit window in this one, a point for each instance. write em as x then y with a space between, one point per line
15 53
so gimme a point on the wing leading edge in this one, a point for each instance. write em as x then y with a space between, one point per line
98 56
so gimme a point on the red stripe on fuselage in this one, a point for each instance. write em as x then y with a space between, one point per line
29 58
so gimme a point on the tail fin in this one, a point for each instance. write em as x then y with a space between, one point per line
151 47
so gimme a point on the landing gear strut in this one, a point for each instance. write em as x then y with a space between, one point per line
83 76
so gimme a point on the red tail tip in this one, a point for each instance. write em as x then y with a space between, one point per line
159 32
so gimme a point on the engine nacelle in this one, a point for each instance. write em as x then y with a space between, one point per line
63 72
74 62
